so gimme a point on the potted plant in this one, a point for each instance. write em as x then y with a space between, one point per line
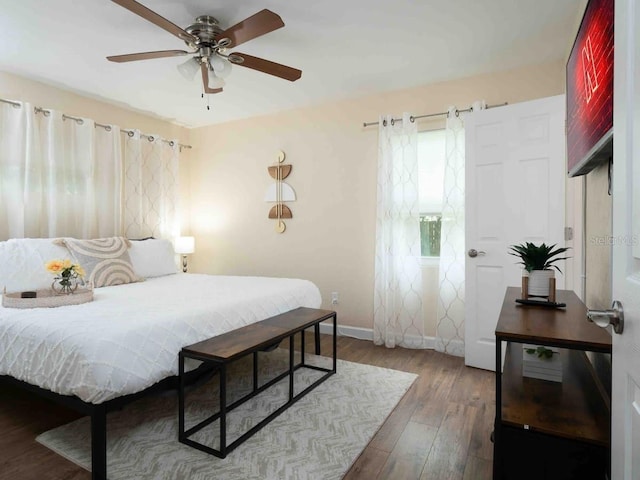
538 262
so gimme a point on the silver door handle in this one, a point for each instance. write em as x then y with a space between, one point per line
604 318
474 253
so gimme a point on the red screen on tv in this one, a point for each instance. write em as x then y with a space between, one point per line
590 86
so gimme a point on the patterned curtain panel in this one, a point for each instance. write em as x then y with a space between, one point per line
398 316
150 187
58 176
451 307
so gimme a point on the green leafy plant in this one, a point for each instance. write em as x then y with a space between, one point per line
540 351
538 257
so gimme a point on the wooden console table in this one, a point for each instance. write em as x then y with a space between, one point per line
543 429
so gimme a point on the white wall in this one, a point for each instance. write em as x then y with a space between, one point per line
330 239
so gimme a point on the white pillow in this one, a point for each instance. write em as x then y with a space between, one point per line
153 257
22 263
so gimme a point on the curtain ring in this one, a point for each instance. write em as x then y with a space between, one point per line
384 122
107 128
130 133
457 112
44 112
150 138
412 119
171 144
393 122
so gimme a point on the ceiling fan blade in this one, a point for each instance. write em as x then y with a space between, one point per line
156 19
205 80
265 66
132 57
262 22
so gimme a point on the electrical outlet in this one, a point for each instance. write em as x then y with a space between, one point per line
334 298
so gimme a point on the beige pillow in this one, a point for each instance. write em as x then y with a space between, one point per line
105 260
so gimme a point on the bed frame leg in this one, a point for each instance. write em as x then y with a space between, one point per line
99 443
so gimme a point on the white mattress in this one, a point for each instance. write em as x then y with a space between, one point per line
129 337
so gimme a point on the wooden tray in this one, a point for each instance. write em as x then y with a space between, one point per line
47 299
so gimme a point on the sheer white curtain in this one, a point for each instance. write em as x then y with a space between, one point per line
398 317
150 187
57 175
15 122
451 308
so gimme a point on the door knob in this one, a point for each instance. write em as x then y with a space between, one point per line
474 253
604 318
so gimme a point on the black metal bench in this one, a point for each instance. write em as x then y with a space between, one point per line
221 350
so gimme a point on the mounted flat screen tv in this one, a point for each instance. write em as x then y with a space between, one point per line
590 90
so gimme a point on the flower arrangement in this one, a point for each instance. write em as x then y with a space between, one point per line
66 273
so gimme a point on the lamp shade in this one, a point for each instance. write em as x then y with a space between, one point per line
220 65
189 68
185 245
214 80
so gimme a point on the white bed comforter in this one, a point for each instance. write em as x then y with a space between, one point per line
129 337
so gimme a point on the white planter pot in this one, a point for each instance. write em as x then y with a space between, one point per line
539 282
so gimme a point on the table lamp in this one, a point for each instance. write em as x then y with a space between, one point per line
185 246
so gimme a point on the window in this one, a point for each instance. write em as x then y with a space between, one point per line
431 161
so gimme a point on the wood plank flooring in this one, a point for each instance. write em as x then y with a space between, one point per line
440 429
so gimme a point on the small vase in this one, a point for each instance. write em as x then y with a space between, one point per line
539 282
64 285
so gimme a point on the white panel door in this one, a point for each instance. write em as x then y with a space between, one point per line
625 402
515 179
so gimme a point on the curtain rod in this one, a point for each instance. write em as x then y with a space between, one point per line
413 119
80 121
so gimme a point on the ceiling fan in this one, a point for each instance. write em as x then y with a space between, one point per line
210 43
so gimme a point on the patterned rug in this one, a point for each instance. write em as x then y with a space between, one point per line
317 438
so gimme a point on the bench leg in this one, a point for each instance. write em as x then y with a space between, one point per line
181 435
223 410
317 335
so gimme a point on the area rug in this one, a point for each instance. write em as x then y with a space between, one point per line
319 437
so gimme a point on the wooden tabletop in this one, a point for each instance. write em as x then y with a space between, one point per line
255 336
566 327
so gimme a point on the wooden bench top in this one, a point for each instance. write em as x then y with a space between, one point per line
256 336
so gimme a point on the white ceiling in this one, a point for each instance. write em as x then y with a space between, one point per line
344 48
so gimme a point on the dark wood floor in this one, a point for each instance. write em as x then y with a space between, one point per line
439 430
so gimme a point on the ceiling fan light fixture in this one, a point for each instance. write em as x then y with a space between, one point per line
220 65
210 44
189 68
214 80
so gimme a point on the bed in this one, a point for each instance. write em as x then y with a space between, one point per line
99 355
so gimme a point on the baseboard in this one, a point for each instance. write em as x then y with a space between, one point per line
365 334
346 331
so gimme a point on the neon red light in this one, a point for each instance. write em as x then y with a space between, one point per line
589 70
